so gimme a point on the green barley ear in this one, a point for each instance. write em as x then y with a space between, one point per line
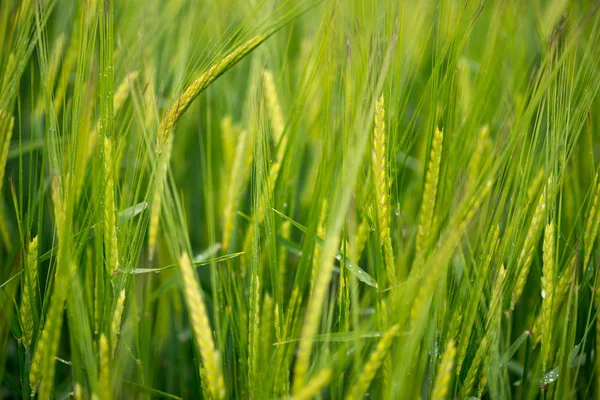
483 351
429 193
110 229
201 328
547 291
314 386
35 369
237 180
202 82
254 332
313 313
475 294
444 373
482 145
591 228
372 365
360 239
29 291
115 328
159 182
273 106
526 255
6 127
379 162
104 367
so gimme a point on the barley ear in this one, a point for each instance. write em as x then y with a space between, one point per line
115 328
6 127
380 173
547 291
444 373
314 386
273 106
201 328
429 194
526 255
372 365
29 291
592 225
110 228
202 82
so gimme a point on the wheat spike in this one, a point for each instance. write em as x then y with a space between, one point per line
372 365
201 328
202 82
547 291
379 161
29 291
429 193
526 255
444 373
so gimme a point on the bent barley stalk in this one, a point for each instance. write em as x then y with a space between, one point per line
200 84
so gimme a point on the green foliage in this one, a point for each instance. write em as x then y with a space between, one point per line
212 199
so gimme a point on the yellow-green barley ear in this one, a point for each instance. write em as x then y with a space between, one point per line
313 312
104 383
380 173
202 82
372 365
547 291
6 127
115 328
266 333
317 247
155 210
360 239
29 293
526 255
254 332
237 181
483 350
273 106
201 328
429 194
483 143
444 373
314 386
110 229
475 294
592 225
